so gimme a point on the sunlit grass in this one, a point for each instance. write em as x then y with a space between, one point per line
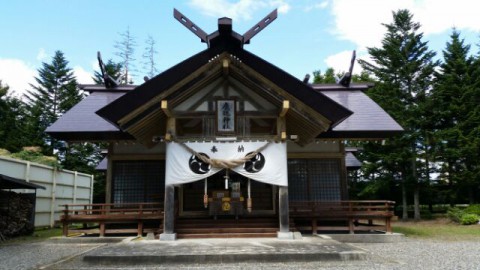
438 229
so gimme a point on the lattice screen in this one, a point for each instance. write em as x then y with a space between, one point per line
138 181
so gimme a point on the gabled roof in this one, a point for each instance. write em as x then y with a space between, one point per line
121 107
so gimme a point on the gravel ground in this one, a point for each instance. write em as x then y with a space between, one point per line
411 254
35 255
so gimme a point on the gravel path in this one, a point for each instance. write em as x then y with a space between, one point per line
35 255
411 254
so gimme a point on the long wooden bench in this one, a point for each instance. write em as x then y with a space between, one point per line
103 214
350 211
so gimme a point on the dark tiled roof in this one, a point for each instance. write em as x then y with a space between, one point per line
7 182
155 86
368 120
82 123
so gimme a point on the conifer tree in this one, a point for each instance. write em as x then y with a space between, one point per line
12 119
449 111
54 93
404 67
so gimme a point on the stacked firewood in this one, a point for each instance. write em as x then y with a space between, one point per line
15 215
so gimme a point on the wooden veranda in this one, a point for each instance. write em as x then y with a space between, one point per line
348 216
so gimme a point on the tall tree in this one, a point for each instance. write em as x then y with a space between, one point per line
149 62
126 50
12 119
404 67
54 93
449 111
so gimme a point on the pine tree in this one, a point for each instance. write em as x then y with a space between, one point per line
449 111
404 67
55 93
12 119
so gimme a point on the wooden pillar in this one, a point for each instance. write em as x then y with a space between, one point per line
169 215
283 214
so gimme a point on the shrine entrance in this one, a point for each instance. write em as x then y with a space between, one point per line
229 199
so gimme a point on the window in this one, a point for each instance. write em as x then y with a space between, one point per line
138 181
314 179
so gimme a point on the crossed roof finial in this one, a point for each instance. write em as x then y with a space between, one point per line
225 23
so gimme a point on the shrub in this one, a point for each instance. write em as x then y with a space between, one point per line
455 214
473 209
469 219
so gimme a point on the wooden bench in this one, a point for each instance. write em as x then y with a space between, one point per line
350 211
108 214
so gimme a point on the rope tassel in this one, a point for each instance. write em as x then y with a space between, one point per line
249 199
205 196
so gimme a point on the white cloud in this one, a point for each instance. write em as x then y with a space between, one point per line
320 5
17 74
238 10
83 76
340 62
360 21
41 55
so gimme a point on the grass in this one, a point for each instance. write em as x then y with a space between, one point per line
441 229
38 235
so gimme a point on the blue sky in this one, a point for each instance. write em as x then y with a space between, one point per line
308 34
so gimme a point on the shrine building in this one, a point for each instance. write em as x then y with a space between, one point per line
226 142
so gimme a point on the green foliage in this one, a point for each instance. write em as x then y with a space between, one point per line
455 214
34 154
13 116
467 216
54 93
473 209
468 219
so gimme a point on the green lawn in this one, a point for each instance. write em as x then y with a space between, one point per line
38 235
438 229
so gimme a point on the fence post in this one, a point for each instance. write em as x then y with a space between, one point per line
53 201
75 187
65 221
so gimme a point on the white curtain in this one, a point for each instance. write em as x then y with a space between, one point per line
270 166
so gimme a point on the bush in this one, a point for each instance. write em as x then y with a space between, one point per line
473 209
455 214
469 219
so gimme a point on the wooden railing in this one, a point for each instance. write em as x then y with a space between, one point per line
110 213
351 211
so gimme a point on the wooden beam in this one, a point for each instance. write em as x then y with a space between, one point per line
165 109
171 129
285 107
225 65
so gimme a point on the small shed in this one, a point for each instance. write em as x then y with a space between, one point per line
17 210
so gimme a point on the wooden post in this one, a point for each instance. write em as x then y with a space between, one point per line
388 225
283 214
314 226
140 228
351 229
169 215
65 221
102 229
